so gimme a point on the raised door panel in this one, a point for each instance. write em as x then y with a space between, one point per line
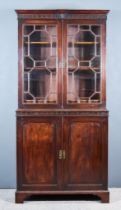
85 145
40 144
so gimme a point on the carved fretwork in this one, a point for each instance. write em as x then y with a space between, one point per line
23 113
62 16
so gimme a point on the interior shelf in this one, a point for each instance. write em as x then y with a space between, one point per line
86 43
37 43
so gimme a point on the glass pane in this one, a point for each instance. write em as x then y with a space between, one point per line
37 52
28 29
25 82
84 77
40 63
38 80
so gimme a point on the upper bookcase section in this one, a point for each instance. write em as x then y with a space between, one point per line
61 59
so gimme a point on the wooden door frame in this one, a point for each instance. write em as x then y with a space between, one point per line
20 65
101 105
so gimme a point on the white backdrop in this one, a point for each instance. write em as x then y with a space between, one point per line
8 80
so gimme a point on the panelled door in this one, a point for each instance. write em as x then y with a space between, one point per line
39 143
85 146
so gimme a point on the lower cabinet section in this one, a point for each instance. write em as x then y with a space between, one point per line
61 155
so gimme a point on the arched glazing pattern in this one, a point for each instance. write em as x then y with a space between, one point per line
40 64
84 63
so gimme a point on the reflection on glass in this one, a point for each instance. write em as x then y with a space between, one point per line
83 63
40 63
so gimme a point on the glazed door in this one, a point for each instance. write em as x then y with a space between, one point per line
85 146
84 65
39 69
39 143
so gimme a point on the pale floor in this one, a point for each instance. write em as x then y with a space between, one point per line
7 197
